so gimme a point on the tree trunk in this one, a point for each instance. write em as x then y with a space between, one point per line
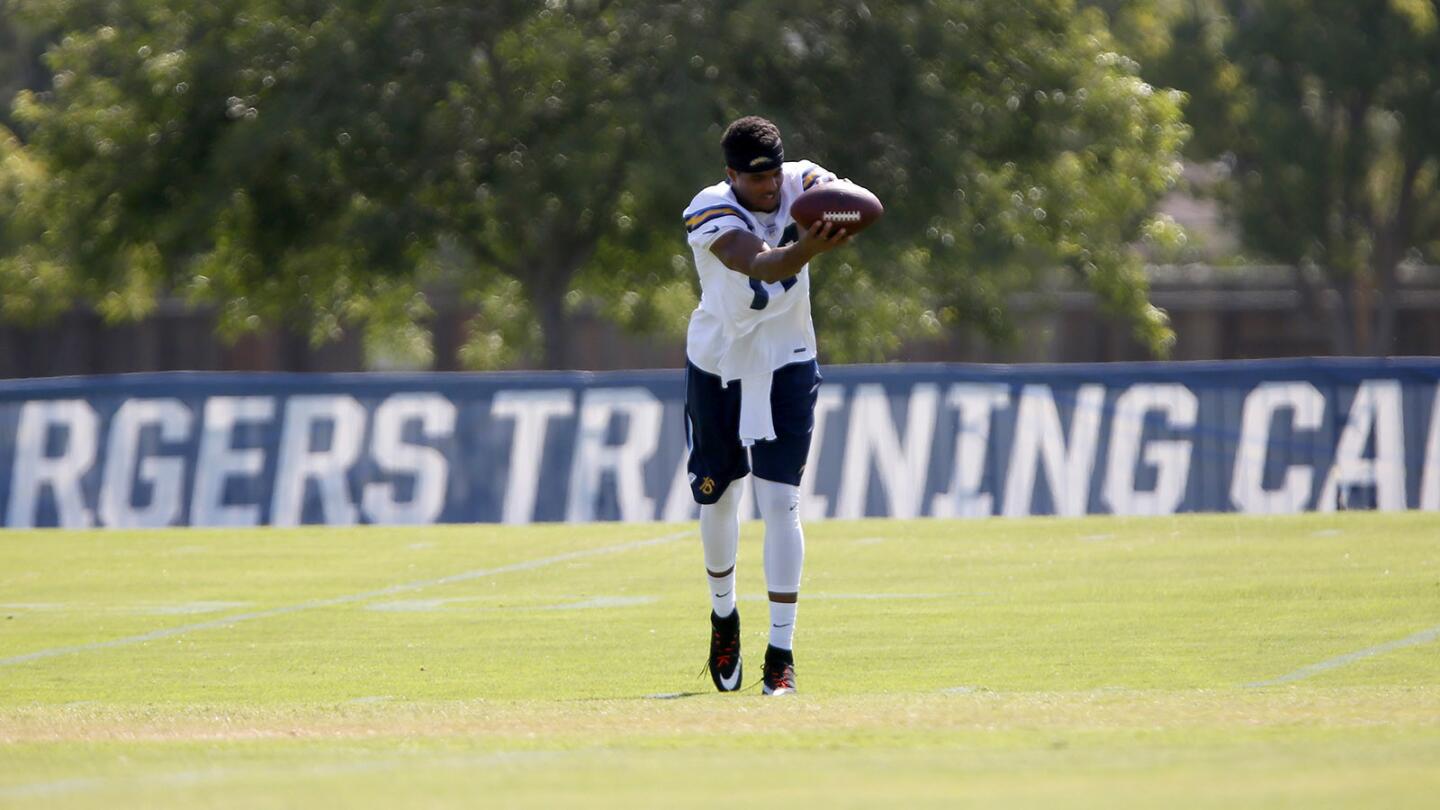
447 333
555 331
1390 246
1335 326
1342 329
549 286
1384 339
1362 297
1385 299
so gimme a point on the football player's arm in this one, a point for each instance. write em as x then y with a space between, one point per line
747 254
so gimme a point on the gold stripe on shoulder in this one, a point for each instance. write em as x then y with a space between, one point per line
701 217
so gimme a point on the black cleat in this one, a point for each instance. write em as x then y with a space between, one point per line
779 675
725 651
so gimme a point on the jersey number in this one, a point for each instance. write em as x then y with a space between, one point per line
762 296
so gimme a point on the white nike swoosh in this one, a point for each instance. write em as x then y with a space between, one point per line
733 681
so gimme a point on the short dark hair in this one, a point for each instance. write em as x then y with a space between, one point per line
750 134
752 144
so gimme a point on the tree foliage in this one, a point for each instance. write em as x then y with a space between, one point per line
20 66
33 286
321 163
1329 115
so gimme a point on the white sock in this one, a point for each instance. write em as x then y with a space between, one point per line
779 506
720 535
722 593
782 624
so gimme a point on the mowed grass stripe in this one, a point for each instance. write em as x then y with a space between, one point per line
65 588
364 596
1359 767
723 720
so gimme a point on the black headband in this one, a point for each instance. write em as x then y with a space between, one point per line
754 157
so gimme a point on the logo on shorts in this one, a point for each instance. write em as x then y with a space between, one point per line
707 486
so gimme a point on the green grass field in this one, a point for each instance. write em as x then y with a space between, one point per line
1196 661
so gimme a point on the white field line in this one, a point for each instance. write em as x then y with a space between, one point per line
1422 637
431 605
46 790
408 587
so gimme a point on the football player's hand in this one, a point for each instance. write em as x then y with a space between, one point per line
823 236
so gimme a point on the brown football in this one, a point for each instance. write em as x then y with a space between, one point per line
840 202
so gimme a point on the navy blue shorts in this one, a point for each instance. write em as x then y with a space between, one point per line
712 424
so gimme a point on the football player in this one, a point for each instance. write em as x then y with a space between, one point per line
751 380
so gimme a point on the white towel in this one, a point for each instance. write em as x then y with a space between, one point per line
757 424
747 359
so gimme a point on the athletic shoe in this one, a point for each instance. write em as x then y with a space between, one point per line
779 675
725 651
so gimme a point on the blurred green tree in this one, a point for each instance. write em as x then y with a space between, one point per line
33 287
313 162
20 67
1007 141
1328 115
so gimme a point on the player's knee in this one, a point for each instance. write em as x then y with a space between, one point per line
777 502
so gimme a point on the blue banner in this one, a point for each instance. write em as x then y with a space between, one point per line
941 440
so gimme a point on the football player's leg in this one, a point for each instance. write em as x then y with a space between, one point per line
779 507
712 421
712 417
779 466
720 535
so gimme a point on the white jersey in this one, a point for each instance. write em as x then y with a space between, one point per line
744 325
